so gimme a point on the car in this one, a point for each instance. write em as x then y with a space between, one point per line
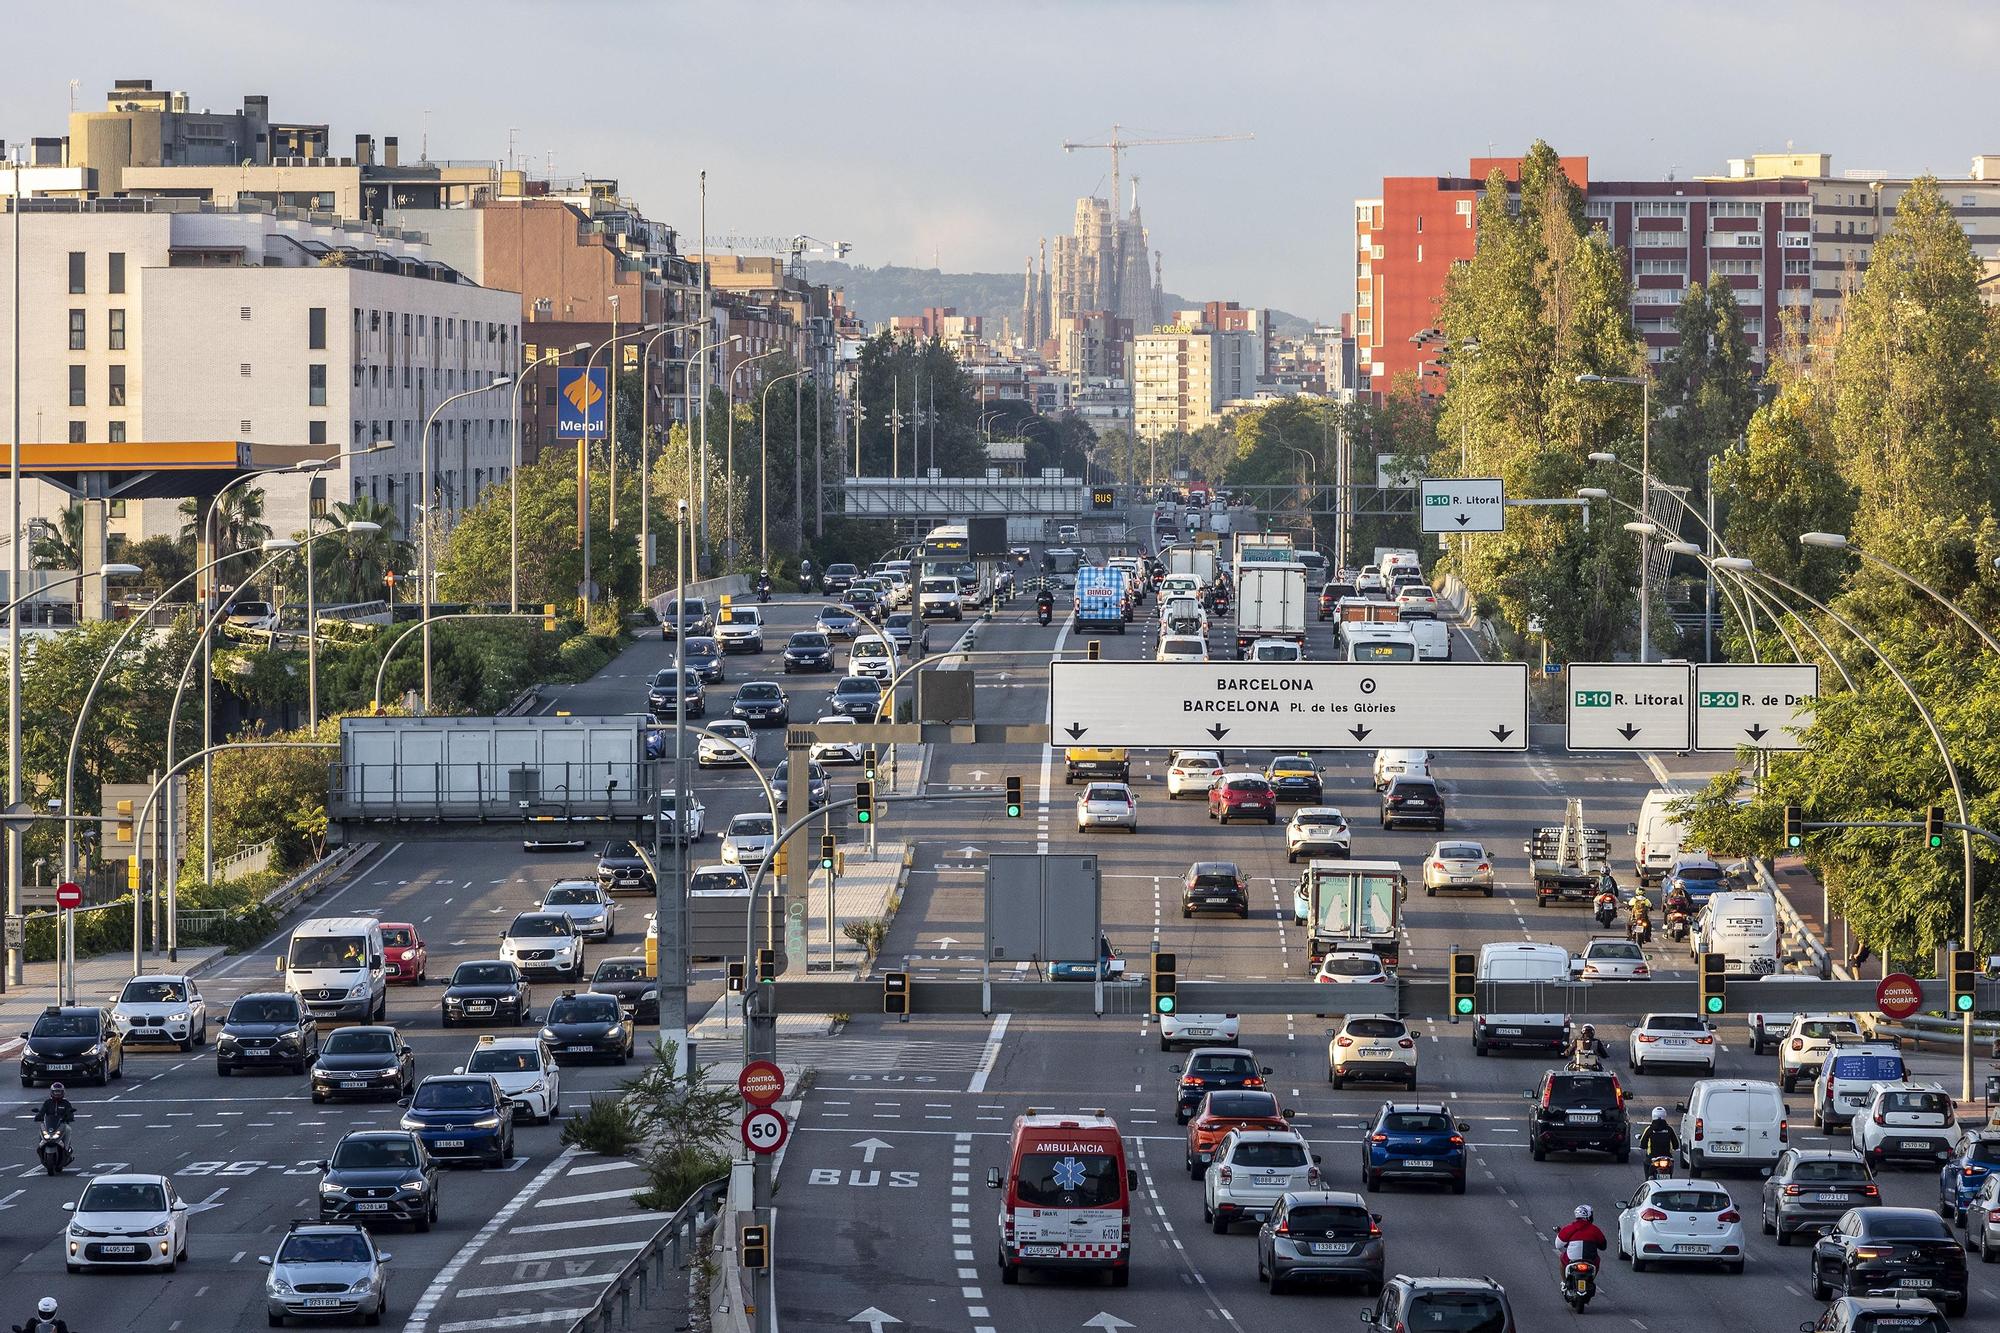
252 615
627 981
864 597
1698 873
761 703
726 743
1879 1250
808 650
1416 599
718 881
1191 771
490 990
660 694
1806 1043
748 840
1218 1113
1317 830
703 656
1181 648
836 752
1878 1314
126 1221
1107 805
1671 1221
1214 886
858 697
1578 1111
1214 1068
1251 1170
1329 598
1242 796
543 944
525 1071
1974 1157
405 956
1371 1046
578 1027
837 577
1351 968
1906 1122
1294 776
326 1270
71 1043
1982 1219
1180 1028
586 903
691 617
1370 580
872 656
263 1029
1612 958
621 865
911 637
1109 965
682 819
379 1175
1853 1066
1176 586
837 622
1323 1236
1414 1141
370 1061
1395 763
816 785
1809 1190
1441 1303
161 1007
1458 865
1412 800
740 630
1273 650
1670 1039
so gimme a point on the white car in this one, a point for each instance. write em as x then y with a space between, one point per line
543 944
719 881
1317 830
1400 763
740 629
524 1069
1458 865
1672 1221
1201 1029
1416 600
836 752
1192 771
1352 969
1371 1046
1275 650
1107 805
727 742
1182 648
1803 1048
1609 958
939 597
1767 1028
1908 1122
586 904
872 656
164 1008
1370 580
748 840
126 1221
1250 1171
1179 585
670 804
1670 1039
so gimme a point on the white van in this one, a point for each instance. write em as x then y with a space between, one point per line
1400 763
1546 1030
1743 928
335 966
1733 1123
1657 837
939 596
1275 650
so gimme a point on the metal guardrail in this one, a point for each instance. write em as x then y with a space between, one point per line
199 926
523 702
1792 927
244 861
309 881
667 1255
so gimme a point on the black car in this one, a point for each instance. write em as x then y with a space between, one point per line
490 991
578 1027
815 785
620 868
838 577
626 978
1579 1111
70 1044
1891 1250
808 650
364 1062
692 617
1215 1069
264 1031
1214 886
1441 1302
703 657
1412 800
761 703
660 694
863 598
1878 1314
858 697
379 1174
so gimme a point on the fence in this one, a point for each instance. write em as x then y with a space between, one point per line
660 1266
1793 931
203 926
244 861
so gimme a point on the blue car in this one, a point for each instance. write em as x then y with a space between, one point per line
1976 1155
1107 966
463 1116
1414 1141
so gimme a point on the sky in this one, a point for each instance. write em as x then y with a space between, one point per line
932 132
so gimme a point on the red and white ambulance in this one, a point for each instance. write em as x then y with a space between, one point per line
1068 1201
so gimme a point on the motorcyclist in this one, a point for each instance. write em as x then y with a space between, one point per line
1677 900
806 575
1658 1139
57 1110
763 583
1586 1051
1580 1240
44 1317
1044 598
1640 929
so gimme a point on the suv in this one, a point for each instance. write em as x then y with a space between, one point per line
622 868
263 1030
1912 1122
693 615
837 578
1975 1157
462 1115
543 942
1577 1111
1888 1249
1209 1068
1214 886
1442 1302
73 1042
1412 800
525 1071
1371 1046
1242 796
660 694
1192 771
1806 1043
1879 1314
380 1173
326 1268
1252 1169
1809 1190
1414 1142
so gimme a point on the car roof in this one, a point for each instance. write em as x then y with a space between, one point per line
483 1080
1203 867
266 995
173 976
497 1043
1266 1135
1830 1155
1324 1198
370 1134
128 1178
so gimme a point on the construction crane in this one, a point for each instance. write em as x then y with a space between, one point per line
797 247
1118 145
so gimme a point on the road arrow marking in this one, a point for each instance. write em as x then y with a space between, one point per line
214 1200
1218 731
1501 733
1758 732
8 1202
945 941
978 775
875 1319
968 851
1107 1321
869 1147
1359 733
1075 732
1628 731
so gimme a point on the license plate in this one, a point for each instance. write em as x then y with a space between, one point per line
451 1143
120 1249
59 1069
1420 1161
578 1048
1832 1198
1461 879
321 1302
1197 1032
1914 1282
1583 1117
1506 1032
394 971
1331 1247
253 1055
1690 1249
1216 902
1041 1251
371 1207
1375 1050
1725 1148
1267 1180
354 1083
478 1008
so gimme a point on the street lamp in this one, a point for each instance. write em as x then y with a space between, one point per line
1743 619
109 571
427 506
313 467
764 465
583 448
1645 494
645 472
1834 541
514 476
1774 608
729 454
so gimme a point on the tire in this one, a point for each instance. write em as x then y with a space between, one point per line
1334 1077
1624 1153
1121 1277
1243 915
1194 1169
1220 1225
1638 1264
1458 1185
201 1038
1010 1274
277 1321
1165 1045
424 1221
1820 1291
1277 1284
1770 1229
507 1149
186 1045
1479 1048
319 1098
1955 1308
221 1071
1430 892
1986 1251
103 1074
1538 1152
1410 1083
446 1019
1372 1180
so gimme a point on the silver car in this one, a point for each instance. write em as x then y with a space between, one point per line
586 904
1458 865
909 634
1251 1170
1107 805
1317 830
748 840
326 1269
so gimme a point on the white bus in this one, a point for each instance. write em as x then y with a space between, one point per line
947 552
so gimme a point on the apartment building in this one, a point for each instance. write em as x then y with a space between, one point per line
1182 374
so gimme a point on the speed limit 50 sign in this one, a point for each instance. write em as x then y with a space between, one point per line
764 1130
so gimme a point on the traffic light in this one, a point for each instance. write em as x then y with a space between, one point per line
1092 650
753 1246
133 875
767 965
868 763
826 851
736 977
1964 980
1934 827
548 617
1795 827
1711 983
1013 798
896 993
1163 983
125 820
1464 970
864 802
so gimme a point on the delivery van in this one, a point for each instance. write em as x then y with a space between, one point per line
1656 837
1546 1029
1733 1123
1743 928
336 967
1066 1200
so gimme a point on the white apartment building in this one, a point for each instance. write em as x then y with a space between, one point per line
1181 376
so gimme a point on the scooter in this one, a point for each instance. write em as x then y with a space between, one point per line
764 591
1607 909
1639 930
53 1151
1579 1283
1677 925
1043 611
1661 1165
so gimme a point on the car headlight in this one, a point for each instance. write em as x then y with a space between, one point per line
649 995
98 1049
178 1018
453 1002
412 1124
416 1184
359 989
227 1039
329 1187
548 1035
490 1122
78 1231
159 1230
280 1287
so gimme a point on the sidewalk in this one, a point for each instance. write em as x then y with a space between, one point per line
98 978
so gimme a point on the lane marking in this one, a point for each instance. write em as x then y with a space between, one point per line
420 1313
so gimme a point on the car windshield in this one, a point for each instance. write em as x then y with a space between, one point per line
745 826
398 937
701 648
1416 1122
1344 965
498 1060
584 1009
1901 1224
145 991
620 970
66 1025
1916 1103
570 895
1830 1172
1374 1027
1617 950
1197 763
1585 1092
1460 851
1688 1201
859 685
1699 873
715 881
1264 1153
1321 1220
1209 874
272 1010
1983 1152
761 692
1246 785
1216 1066
335 951
1676 1023
835 613
1457 1312
483 974
374 1154
539 927
1820 1029
353 1041
745 617
807 641
336 1248
1242 1105
123 1197
901 620
464 1094
1069 1180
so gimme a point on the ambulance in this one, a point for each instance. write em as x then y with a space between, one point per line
1068 1196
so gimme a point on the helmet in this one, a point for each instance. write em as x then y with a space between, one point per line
56 1090
1583 1213
1590 1029
48 1306
1659 1113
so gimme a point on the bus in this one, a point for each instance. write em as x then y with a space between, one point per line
1378 643
947 552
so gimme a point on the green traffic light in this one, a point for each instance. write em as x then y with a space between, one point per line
861 816
1795 840
1963 1002
1166 1004
1013 812
1714 1004
1937 841
1464 1004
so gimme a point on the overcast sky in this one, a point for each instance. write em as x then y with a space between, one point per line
934 130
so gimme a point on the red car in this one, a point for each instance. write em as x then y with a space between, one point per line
1242 796
404 952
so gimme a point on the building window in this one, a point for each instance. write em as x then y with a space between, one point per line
1798 268
1420 224
1376 253
116 508
1364 326
76 433
1658 239
1740 267
1798 208
118 386
245 424
117 272
316 328
117 437
315 432
76 386
316 385
75 272
1661 208
118 330
76 327
243 312
1658 266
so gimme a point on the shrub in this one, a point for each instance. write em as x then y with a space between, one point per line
672 1174
607 1127
869 934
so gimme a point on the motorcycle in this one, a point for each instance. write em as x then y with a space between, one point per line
1579 1283
1639 930
1662 1165
1043 611
763 590
1677 925
53 1152
1607 909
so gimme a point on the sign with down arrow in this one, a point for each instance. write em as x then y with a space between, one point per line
1628 706
1765 707
1462 504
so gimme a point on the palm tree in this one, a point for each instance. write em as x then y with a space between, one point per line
352 570
61 546
239 520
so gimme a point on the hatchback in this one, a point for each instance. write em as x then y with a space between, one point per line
1371 1046
704 658
1210 1068
1251 1171
1351 969
872 656
660 694
1181 648
1412 800
1669 1221
1670 1039
326 1270
1458 865
1808 1191
1219 1113
1107 805
835 752
1214 886
1192 771
1415 599
1323 1236
816 787
1907 1122
1611 959
1444 1303
71 1044
730 744
837 622
1982 1220
748 840
1242 796
1414 1141
126 1221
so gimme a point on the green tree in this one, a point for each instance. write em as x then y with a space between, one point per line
239 519
474 563
351 569
61 545
162 561
1707 386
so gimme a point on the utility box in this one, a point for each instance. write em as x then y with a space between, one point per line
1042 909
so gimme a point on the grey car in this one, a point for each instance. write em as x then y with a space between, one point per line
1808 1190
1323 1236
587 904
326 1270
383 1175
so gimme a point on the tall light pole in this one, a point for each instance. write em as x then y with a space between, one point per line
1743 617
1774 608
1715 543
764 466
312 468
14 591
729 455
583 445
693 486
645 472
514 476
425 576
1645 384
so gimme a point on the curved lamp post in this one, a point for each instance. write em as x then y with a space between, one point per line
425 576
1599 493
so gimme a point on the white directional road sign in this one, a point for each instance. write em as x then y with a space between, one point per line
1462 504
1765 707
1291 705
1628 706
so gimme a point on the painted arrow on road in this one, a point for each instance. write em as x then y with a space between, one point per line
1108 1322
875 1319
8 1202
968 851
946 941
869 1147
214 1200
978 775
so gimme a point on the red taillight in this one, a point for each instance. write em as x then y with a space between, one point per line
1437 865
1968 1171
1640 971
1793 1189
1374 1228
1618 1091
1784 1131
1699 1041
1282 1229
1458 1140
1647 1037
1729 1215
1343 1041
1191 1082
1871 1191
1225 1174
1697 1130
1652 1215
1378 1138
1253 1082
1406 1044
1878 1118
1548 1092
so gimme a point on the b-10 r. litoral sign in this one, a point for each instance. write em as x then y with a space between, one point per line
1291 705
1462 504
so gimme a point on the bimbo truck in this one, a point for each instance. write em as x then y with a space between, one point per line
1067 1200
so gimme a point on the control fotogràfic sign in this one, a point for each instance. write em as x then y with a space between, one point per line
1764 707
1462 504
1291 705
